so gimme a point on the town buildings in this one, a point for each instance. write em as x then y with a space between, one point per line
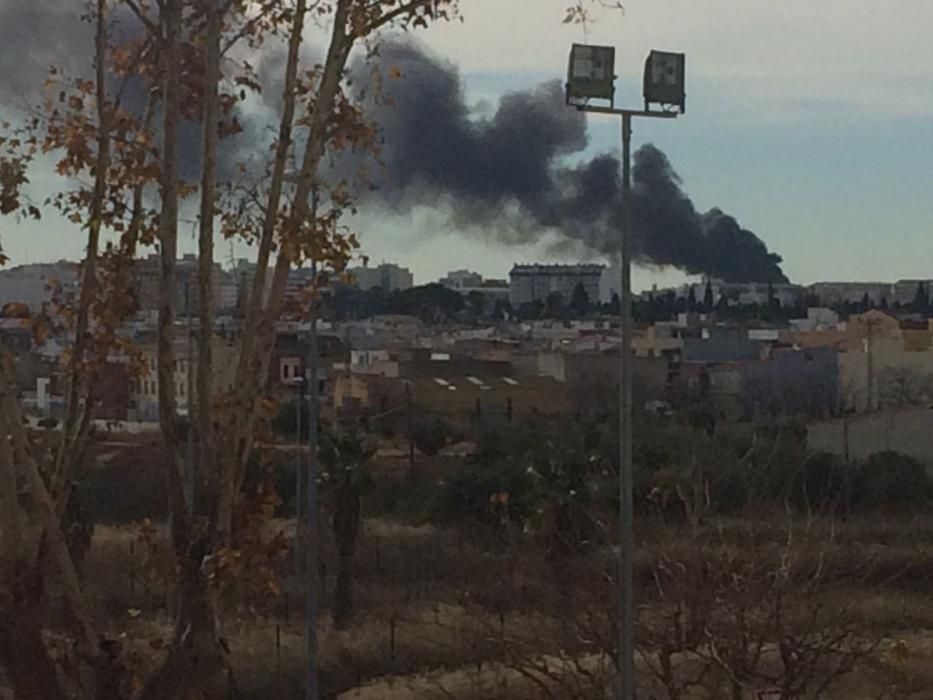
531 283
387 276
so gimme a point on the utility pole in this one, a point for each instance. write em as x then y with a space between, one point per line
626 478
189 400
312 591
411 432
299 478
870 361
591 76
848 473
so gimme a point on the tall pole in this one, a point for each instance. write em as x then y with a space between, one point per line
411 432
626 501
299 478
311 562
189 400
870 363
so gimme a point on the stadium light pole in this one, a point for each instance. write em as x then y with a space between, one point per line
591 76
312 546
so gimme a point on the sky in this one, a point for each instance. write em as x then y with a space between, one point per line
811 122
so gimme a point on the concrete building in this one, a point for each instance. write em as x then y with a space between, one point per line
147 276
461 398
905 291
530 283
144 390
834 293
387 276
459 280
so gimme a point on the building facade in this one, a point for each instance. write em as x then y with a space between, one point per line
387 276
531 283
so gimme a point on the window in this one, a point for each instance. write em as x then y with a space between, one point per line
289 368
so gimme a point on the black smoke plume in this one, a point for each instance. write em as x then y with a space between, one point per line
485 166
36 35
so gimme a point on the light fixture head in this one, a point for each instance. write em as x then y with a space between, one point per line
665 80
591 73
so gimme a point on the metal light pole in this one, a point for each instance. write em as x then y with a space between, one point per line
312 592
299 476
189 400
591 76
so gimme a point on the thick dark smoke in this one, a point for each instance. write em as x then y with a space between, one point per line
510 165
38 34
434 147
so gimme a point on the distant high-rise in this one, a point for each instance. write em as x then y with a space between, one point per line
389 276
529 283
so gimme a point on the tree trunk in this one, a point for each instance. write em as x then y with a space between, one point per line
211 117
343 592
24 657
346 530
196 657
75 428
260 347
246 396
168 241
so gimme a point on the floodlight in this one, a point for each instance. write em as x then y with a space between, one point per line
665 75
591 73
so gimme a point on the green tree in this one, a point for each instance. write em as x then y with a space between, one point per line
502 309
691 303
345 457
580 300
614 304
476 302
921 302
554 305
708 297
431 435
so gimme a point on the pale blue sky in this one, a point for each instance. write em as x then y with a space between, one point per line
811 122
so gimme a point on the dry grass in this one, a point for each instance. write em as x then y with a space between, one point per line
460 611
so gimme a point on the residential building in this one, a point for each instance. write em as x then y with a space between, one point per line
459 280
147 277
387 276
592 377
659 340
835 293
905 291
722 344
789 382
530 283
144 390
289 362
459 398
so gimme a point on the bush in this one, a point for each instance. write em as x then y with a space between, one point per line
126 490
889 479
431 435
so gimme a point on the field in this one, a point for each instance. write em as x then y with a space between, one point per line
442 613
